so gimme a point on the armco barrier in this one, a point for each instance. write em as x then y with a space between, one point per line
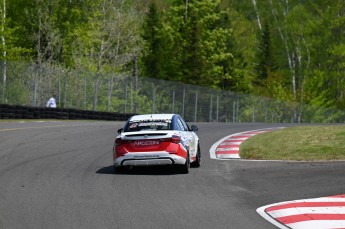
24 112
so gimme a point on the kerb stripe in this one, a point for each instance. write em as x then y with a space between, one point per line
307 217
306 204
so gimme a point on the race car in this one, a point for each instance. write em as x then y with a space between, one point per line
157 139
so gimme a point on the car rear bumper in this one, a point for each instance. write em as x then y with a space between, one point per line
149 159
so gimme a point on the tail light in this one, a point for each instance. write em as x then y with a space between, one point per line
174 139
120 141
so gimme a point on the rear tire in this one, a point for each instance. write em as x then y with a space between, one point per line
197 162
184 169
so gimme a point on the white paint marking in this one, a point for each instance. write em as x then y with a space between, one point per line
230 143
263 214
307 210
228 156
318 224
227 149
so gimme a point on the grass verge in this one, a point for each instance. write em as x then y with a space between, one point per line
307 143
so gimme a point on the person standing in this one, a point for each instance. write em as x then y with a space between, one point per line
51 102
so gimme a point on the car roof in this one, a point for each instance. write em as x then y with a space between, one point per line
151 117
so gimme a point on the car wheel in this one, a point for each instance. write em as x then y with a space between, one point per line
197 162
184 169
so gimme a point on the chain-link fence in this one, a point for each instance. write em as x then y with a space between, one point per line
32 85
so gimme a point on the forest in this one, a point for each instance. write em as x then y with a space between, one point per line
287 50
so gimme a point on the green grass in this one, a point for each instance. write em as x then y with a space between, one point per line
307 143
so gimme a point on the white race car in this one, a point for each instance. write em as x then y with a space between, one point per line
156 139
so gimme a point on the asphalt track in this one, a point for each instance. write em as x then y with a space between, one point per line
59 175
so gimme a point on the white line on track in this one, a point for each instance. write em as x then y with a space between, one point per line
41 127
29 128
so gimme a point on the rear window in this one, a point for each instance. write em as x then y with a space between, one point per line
144 125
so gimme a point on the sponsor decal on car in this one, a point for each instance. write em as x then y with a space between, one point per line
153 124
146 156
146 143
151 120
134 125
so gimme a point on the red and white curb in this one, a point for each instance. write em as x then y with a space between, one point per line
319 213
228 147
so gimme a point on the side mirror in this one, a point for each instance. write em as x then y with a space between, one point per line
119 131
194 128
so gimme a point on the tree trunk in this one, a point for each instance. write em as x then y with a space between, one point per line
94 105
290 56
136 81
65 92
257 14
186 12
4 63
99 67
110 91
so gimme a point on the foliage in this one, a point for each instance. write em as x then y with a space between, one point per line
292 50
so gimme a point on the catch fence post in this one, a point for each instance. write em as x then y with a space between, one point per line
234 112
65 92
126 91
238 110
131 96
196 106
59 91
35 91
183 101
217 114
173 102
85 93
211 104
266 111
154 97
253 114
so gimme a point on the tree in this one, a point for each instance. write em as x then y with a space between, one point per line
152 37
4 53
111 36
9 47
327 52
264 55
194 43
238 70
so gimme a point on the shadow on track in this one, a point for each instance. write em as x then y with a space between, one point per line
152 170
